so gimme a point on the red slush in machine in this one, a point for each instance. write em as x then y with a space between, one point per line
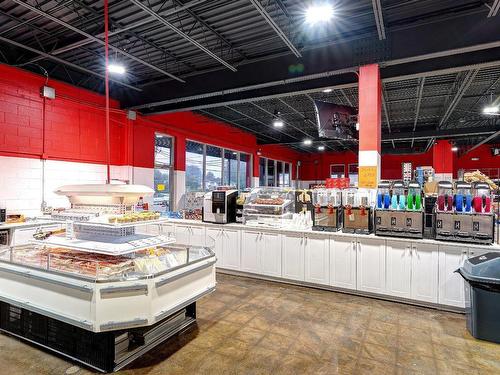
464 213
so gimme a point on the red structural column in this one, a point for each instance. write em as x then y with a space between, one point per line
442 160
370 120
180 153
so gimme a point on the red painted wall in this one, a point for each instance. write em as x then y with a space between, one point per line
317 166
486 160
443 157
75 123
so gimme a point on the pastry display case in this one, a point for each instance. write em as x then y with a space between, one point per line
111 286
269 207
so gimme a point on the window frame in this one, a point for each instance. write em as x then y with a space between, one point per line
223 151
169 167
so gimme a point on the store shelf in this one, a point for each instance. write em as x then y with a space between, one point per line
110 245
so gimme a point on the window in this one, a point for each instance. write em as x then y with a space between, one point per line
194 166
230 168
163 173
353 174
208 167
271 172
337 170
213 168
274 173
245 170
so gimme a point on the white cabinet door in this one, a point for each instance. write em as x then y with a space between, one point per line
398 255
293 257
231 249
167 229
214 238
343 263
451 285
424 272
371 265
250 249
317 259
270 254
182 234
197 235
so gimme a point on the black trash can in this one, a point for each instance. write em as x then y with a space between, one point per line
482 296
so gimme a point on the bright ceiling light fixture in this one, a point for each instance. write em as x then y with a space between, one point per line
278 123
308 142
321 148
491 110
319 13
454 148
326 91
116 68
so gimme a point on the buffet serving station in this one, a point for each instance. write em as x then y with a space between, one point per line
104 290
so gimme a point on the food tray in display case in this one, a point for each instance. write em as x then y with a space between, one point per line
108 245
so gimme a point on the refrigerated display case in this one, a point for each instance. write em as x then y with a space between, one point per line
104 292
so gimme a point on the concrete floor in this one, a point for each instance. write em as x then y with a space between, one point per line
257 327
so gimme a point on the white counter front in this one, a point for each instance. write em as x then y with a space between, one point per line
417 271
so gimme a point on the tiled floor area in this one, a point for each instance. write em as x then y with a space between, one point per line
257 327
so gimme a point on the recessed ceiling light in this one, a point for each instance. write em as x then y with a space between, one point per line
278 123
321 148
319 13
308 142
454 149
116 68
326 91
491 110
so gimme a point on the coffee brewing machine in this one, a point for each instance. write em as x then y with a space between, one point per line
399 210
357 211
464 215
327 214
219 206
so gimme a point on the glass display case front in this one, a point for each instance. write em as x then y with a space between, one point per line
273 207
150 262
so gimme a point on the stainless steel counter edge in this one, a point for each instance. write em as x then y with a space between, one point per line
494 247
48 279
42 311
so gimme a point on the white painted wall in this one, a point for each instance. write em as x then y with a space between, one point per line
23 181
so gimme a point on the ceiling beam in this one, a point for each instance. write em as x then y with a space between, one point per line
440 133
495 7
275 27
148 20
490 138
64 62
420 90
97 40
221 37
182 34
379 20
464 85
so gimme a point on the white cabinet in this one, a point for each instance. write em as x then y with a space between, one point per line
371 265
399 267
293 257
317 259
214 238
343 262
270 254
188 234
261 253
250 251
451 285
424 272
231 257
